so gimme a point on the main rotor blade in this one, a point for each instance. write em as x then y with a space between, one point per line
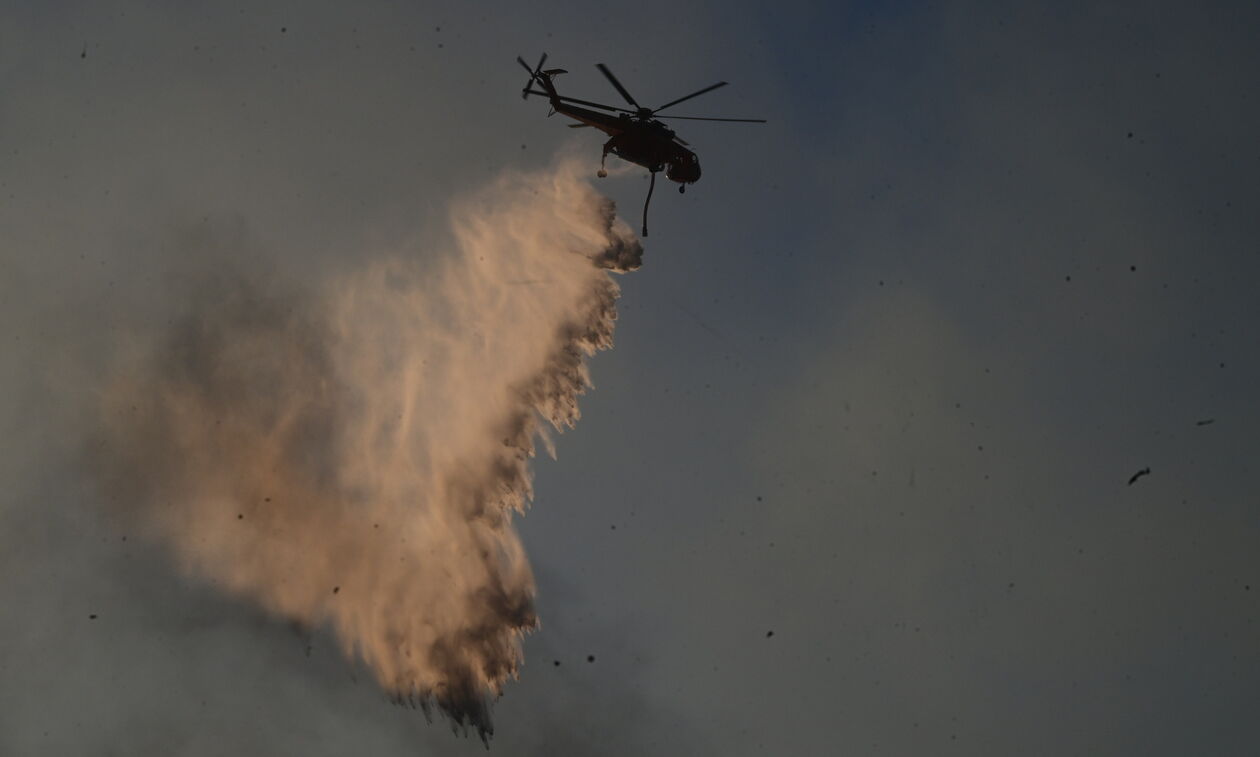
579 126
613 108
688 97
604 70
736 120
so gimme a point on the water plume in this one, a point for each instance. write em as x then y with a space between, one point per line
354 455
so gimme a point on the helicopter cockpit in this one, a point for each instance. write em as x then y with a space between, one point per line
683 168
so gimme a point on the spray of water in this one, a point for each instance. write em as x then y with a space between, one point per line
354 456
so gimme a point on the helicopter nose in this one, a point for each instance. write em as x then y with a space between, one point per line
687 173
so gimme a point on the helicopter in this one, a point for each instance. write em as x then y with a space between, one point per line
634 135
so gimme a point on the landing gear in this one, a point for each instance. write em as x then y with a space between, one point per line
682 189
608 146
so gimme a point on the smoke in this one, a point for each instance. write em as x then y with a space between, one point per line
352 455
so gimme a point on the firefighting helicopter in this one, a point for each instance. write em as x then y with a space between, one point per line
634 135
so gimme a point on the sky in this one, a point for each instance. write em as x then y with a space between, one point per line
855 477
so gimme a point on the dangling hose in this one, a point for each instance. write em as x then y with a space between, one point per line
649 199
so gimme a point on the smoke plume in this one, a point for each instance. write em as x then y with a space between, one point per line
353 455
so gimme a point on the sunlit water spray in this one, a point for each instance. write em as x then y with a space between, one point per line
354 457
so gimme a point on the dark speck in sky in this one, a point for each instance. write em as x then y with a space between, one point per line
590 658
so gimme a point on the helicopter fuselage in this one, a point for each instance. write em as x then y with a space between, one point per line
645 142
634 134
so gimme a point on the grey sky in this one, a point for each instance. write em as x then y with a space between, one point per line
878 388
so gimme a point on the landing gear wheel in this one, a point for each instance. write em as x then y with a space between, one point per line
682 189
601 173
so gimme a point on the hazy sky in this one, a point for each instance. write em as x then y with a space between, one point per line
878 388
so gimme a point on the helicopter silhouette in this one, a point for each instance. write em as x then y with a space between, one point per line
637 136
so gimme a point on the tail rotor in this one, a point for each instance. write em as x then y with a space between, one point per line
535 73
